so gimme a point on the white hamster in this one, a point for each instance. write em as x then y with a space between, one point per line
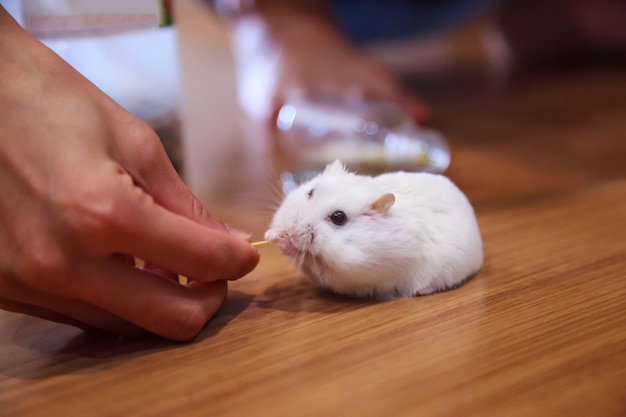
394 235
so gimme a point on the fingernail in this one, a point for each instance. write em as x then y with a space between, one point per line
239 233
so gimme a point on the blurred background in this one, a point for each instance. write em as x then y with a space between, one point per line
181 78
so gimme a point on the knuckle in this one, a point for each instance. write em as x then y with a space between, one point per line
41 263
150 146
87 210
142 139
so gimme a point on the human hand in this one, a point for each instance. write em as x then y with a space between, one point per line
282 52
86 187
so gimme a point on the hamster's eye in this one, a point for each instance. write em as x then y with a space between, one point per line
339 218
310 193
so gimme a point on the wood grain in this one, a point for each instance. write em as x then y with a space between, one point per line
540 331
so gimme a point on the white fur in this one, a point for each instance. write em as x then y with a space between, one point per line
428 241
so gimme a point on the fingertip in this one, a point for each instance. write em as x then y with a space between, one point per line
188 316
248 254
250 259
238 233
209 297
211 294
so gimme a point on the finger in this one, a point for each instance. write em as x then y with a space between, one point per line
61 309
178 244
151 302
155 269
125 219
130 260
171 241
113 325
42 313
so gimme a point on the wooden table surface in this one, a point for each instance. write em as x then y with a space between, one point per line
541 331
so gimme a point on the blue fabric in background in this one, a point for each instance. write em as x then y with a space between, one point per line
377 20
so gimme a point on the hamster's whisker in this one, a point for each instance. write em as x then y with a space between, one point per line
306 250
300 258
266 204
275 189
314 262
268 195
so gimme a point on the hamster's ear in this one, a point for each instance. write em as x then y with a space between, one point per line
336 167
383 203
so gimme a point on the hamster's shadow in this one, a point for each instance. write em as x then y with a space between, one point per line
297 295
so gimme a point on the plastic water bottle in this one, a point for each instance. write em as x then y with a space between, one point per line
368 136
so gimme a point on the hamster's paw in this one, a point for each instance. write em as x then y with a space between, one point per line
273 235
285 245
